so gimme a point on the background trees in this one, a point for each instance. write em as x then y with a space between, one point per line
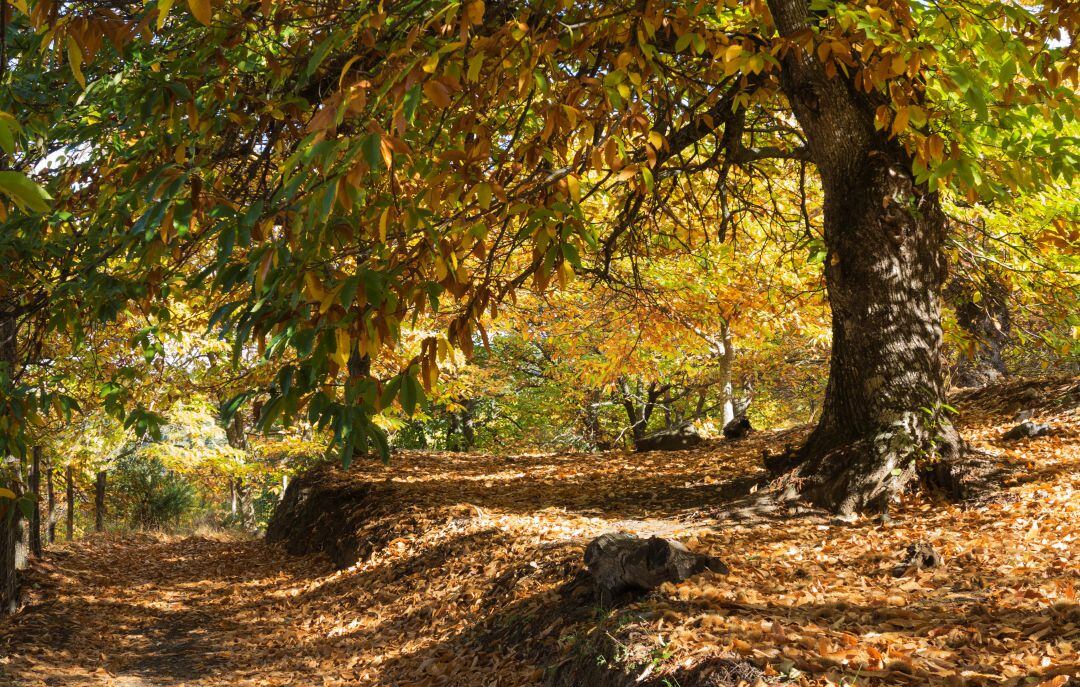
356 198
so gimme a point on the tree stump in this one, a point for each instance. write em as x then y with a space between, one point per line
737 428
623 564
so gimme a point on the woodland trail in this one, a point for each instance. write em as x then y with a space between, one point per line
150 611
469 575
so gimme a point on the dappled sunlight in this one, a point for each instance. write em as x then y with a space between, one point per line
470 582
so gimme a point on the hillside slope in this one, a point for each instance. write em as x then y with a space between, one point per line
454 569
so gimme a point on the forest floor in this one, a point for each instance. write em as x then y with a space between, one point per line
470 577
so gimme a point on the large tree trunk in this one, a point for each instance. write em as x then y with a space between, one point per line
99 502
69 473
35 516
884 269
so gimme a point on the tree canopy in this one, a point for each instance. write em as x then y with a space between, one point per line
345 193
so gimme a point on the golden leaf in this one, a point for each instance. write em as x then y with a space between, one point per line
200 9
437 93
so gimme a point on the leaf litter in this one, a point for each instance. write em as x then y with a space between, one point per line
472 577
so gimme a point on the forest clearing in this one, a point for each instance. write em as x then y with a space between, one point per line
562 343
470 576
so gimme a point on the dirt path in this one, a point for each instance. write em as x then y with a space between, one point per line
145 611
465 581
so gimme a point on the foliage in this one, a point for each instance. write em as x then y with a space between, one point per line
338 175
149 495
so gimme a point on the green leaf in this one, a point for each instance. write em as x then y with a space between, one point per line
408 395
8 127
412 102
24 192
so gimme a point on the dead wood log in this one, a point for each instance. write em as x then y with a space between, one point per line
622 564
672 439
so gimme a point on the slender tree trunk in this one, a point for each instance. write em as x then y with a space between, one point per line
241 507
987 323
884 270
9 581
727 357
35 516
247 505
99 502
468 432
50 488
591 420
359 368
69 474
9 513
637 424
451 431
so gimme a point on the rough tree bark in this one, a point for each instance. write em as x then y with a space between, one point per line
884 270
99 502
9 514
50 488
69 475
35 516
639 416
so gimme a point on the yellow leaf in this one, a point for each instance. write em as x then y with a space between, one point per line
483 195
565 273
343 341
900 121
475 64
384 219
574 186
163 7
6 493
899 65
315 288
732 53
474 11
75 59
200 9
345 69
166 228
329 299
936 145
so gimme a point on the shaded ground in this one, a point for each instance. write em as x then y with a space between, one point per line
465 580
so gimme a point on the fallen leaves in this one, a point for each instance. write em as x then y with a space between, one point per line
470 554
